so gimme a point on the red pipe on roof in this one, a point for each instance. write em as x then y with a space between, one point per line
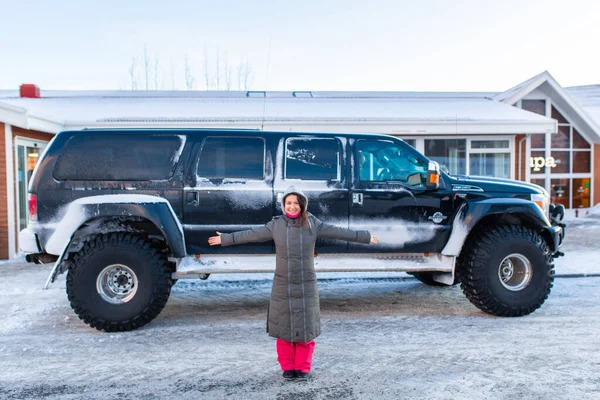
30 91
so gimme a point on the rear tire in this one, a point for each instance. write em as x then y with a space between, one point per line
507 271
118 282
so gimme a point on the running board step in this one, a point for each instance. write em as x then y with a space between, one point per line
432 263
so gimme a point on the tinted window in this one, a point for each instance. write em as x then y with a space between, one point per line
98 156
232 158
312 159
380 160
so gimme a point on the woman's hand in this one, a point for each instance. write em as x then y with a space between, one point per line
216 240
374 239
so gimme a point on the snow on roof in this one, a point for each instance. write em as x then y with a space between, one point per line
449 112
515 93
45 94
588 97
561 99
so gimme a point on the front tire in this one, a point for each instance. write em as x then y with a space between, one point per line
507 271
118 282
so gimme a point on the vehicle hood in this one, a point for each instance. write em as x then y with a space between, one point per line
489 184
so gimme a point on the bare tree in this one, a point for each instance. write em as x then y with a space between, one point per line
132 69
146 61
207 77
227 73
218 70
221 76
240 71
172 76
244 73
189 78
157 78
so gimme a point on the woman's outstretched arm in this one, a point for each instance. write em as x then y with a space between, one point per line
259 234
329 231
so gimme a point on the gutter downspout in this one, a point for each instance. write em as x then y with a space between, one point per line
519 147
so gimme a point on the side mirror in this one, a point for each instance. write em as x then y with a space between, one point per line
433 175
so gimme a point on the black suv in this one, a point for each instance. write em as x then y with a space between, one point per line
119 209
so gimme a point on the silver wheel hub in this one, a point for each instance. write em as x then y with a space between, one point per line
117 284
515 272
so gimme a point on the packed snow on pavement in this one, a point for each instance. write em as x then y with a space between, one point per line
385 335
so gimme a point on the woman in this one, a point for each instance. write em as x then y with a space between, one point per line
294 315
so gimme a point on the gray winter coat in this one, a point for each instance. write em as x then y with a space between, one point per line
294 313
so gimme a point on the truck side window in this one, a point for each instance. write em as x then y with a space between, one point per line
380 161
119 156
232 157
313 159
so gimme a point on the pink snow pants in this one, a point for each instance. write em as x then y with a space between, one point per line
295 355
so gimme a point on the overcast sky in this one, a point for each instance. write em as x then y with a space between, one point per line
404 45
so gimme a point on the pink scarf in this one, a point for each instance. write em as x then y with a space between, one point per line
292 215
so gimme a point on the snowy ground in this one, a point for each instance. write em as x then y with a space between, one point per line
385 336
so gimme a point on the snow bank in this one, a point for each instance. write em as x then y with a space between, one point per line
594 212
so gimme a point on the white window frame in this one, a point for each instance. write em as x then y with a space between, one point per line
420 146
547 176
509 150
27 142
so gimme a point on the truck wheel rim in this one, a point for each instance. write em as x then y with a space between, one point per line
117 284
515 272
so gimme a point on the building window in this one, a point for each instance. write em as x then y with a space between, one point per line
579 142
560 192
540 182
538 141
555 160
581 193
490 158
535 106
581 162
562 138
489 144
411 142
496 165
479 156
562 162
558 116
28 154
449 153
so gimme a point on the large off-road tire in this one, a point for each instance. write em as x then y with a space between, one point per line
506 271
427 278
118 282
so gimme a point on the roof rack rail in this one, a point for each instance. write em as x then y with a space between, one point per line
302 93
256 93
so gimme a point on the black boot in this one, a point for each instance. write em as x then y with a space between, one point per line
302 376
289 374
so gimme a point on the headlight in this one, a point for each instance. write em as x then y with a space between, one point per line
542 201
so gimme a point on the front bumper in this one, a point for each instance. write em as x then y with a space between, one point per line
557 232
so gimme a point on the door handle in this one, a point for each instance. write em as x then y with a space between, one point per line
192 198
357 198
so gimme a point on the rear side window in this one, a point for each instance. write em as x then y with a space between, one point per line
119 157
312 159
232 157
